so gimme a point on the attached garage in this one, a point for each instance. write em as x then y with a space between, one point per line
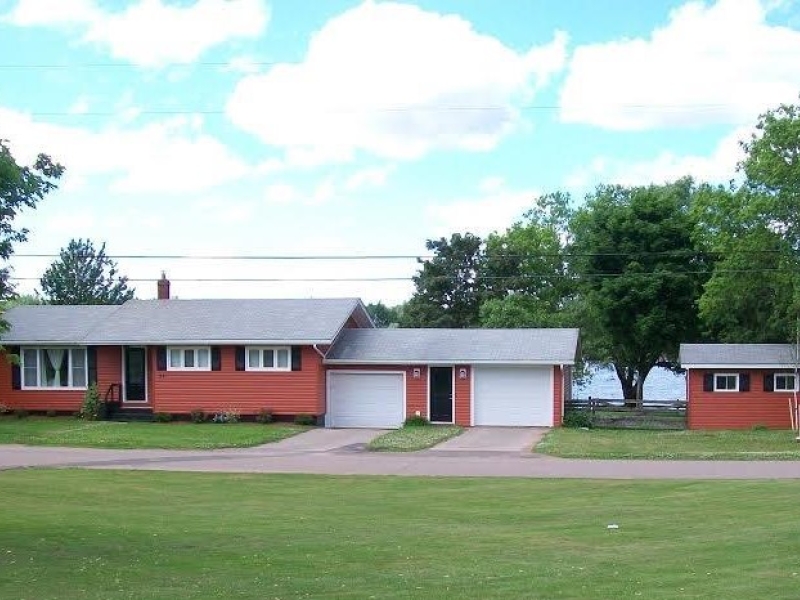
513 396
365 399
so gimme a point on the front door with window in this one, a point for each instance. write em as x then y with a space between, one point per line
135 385
441 394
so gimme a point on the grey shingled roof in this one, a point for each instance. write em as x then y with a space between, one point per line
737 355
184 321
53 324
425 346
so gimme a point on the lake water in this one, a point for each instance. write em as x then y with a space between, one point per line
661 384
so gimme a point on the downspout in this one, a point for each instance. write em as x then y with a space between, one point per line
318 351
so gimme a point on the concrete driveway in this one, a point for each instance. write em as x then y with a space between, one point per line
326 440
494 439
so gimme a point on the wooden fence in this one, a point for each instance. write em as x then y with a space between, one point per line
615 414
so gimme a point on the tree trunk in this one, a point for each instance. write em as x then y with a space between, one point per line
627 381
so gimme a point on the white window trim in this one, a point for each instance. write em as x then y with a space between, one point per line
66 388
183 357
775 382
261 349
736 375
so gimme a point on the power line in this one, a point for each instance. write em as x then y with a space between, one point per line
495 278
355 257
380 109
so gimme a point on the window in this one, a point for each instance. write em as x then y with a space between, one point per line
726 382
268 359
54 368
785 382
189 359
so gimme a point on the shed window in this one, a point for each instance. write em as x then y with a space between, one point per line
785 382
268 359
726 382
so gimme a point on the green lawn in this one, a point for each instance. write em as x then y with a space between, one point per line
109 535
62 431
680 445
410 438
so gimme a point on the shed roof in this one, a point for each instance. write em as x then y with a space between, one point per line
186 321
426 346
737 355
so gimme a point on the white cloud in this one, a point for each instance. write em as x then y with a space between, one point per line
495 209
150 33
171 156
718 167
715 63
395 81
80 106
280 193
369 177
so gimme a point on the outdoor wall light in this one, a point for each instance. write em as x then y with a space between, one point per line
416 373
462 373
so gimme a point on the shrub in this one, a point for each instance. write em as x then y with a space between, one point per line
416 421
198 416
227 416
578 418
4 410
162 417
92 408
303 419
265 416
21 413
760 427
51 413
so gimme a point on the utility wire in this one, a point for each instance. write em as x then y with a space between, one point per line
354 257
494 278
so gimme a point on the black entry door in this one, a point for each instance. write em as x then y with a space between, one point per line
441 394
135 374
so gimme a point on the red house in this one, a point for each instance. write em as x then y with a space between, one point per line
738 386
321 357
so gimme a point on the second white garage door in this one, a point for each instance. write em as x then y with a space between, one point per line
513 396
365 399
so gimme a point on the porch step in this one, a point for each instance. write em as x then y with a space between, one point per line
132 414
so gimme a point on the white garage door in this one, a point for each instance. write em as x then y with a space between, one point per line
365 399
513 396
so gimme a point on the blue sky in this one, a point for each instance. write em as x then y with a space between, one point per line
334 127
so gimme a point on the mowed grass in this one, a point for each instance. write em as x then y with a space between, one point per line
414 437
675 445
62 431
109 535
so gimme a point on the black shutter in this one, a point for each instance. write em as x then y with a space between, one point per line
708 382
240 358
161 358
216 359
769 382
297 358
744 382
91 363
16 373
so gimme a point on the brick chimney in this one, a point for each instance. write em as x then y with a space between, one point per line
163 287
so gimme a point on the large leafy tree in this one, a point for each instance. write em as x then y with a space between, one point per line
749 295
383 315
84 275
754 235
639 277
21 187
447 288
525 269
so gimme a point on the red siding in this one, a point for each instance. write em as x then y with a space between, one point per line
558 395
109 370
735 410
284 392
463 396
